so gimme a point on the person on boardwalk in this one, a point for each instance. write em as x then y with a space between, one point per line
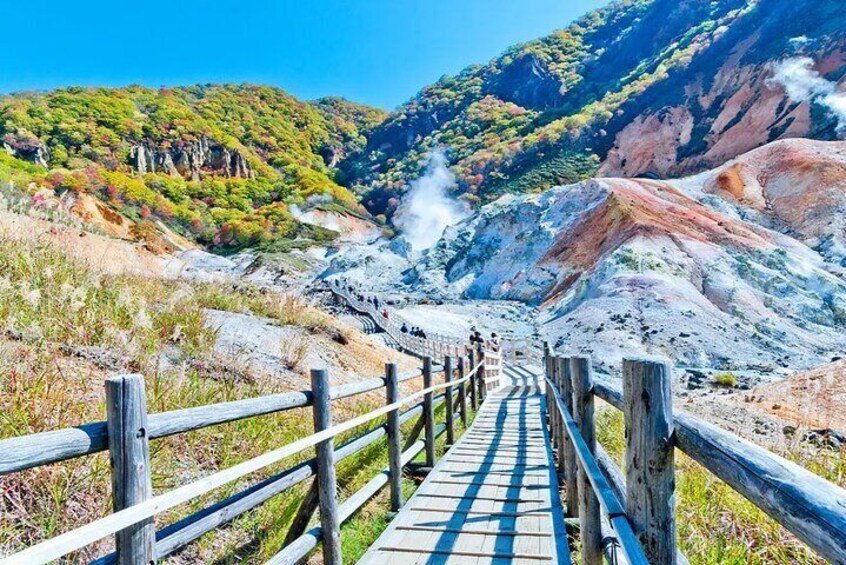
404 328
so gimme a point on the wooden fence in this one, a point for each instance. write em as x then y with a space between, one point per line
434 344
128 429
631 518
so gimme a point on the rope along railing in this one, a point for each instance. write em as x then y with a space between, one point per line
128 429
612 505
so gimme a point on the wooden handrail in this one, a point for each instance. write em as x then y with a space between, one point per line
174 536
807 505
607 499
78 538
34 450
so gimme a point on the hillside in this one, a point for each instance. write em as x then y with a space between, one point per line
654 88
217 163
640 266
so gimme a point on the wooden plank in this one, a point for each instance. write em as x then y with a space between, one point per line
490 554
650 467
472 531
476 486
475 496
129 455
590 531
330 521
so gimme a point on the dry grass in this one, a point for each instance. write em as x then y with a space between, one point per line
65 327
293 351
716 525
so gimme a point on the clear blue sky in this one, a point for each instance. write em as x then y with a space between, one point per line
378 52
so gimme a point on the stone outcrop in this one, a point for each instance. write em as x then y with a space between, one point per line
191 160
29 149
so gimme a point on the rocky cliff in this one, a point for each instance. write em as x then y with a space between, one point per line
191 160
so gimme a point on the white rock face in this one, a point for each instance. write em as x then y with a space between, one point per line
624 267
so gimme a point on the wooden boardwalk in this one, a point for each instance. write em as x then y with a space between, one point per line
493 498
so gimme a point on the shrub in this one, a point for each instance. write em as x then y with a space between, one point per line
726 380
293 351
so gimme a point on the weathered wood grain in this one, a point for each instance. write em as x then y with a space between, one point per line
428 413
650 464
570 461
590 531
462 393
449 415
129 455
327 486
394 439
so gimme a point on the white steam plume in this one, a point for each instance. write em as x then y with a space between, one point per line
427 209
803 84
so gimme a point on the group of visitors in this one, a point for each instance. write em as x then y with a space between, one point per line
414 331
476 338
373 300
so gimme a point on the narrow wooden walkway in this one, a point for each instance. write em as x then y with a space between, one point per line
493 498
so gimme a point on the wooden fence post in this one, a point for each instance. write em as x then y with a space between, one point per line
450 423
394 447
560 432
555 418
570 461
650 482
129 455
474 400
480 376
462 392
330 521
590 531
547 371
429 413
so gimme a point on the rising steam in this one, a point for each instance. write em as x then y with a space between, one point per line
803 84
427 209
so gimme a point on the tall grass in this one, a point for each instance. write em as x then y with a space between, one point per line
716 525
64 328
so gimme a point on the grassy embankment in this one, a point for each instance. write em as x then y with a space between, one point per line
64 328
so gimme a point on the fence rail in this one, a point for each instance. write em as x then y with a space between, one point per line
128 429
642 500
435 345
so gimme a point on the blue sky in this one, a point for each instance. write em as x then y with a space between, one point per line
378 52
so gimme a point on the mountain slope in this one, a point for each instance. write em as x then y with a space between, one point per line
640 87
637 266
220 163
